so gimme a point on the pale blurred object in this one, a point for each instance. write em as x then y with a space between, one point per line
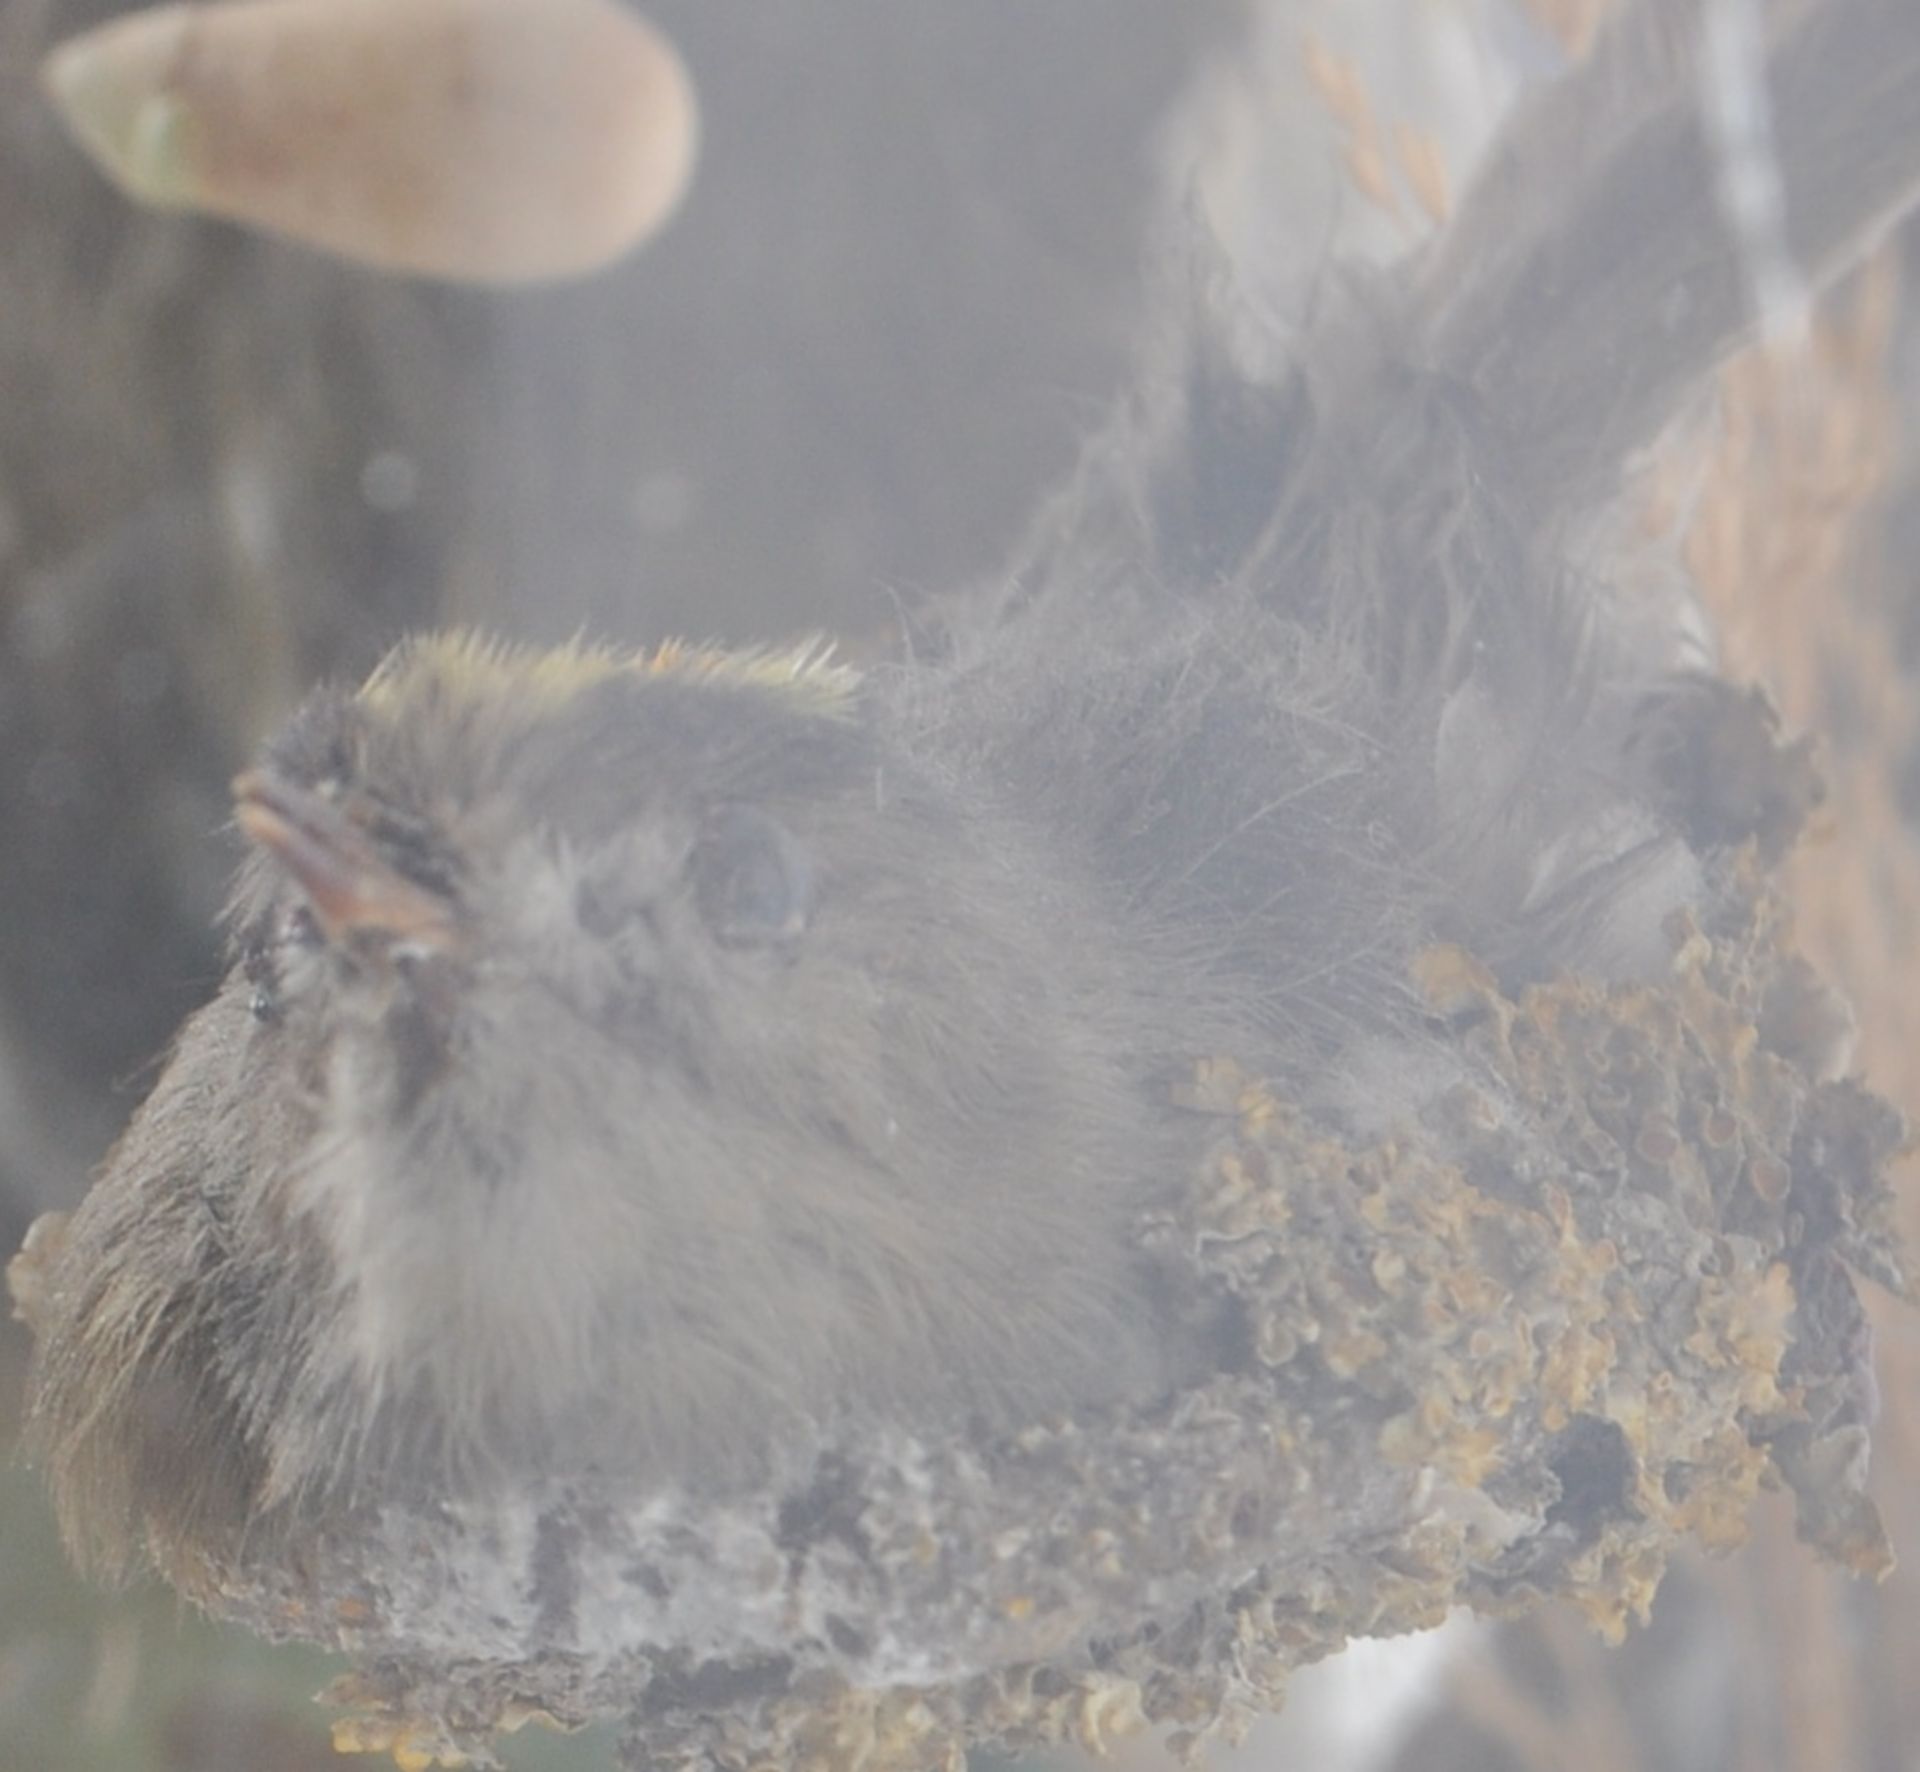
486 141
1354 120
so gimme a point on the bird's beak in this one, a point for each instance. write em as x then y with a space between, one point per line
352 889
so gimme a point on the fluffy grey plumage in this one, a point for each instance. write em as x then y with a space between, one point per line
663 1067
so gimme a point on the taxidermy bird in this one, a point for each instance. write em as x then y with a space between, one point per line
651 1071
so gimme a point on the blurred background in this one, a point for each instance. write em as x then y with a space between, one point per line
908 279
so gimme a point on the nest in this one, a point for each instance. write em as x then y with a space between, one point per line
1598 1298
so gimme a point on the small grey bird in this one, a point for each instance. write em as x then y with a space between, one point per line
660 1068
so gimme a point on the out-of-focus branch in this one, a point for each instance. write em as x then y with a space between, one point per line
1582 304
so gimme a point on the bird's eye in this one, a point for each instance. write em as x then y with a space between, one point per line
601 911
270 950
262 974
753 881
